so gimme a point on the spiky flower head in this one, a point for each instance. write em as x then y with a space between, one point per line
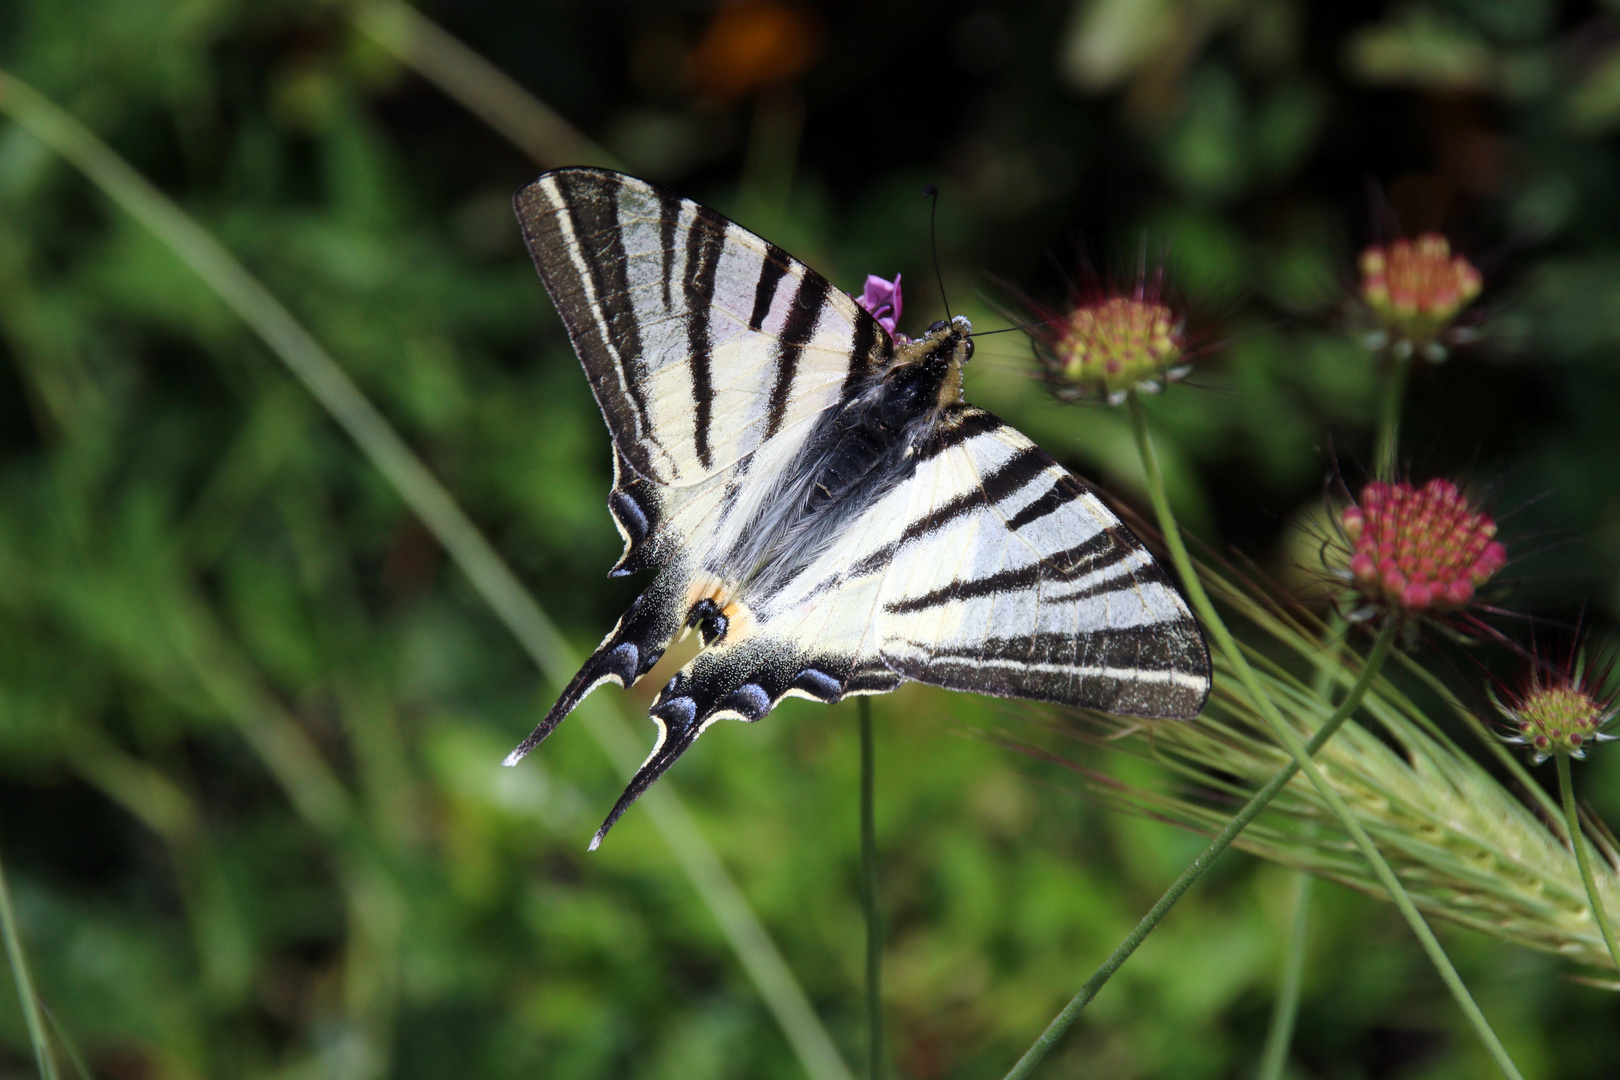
1415 290
1109 342
1560 709
1418 551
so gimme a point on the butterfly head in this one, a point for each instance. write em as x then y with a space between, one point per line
938 357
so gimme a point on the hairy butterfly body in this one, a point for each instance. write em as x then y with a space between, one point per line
816 497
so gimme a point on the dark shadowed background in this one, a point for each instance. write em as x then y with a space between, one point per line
251 719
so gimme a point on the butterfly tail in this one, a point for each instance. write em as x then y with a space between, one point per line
678 728
739 682
625 655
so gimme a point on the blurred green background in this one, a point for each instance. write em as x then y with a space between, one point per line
251 719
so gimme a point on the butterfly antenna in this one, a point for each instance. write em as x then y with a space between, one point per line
931 193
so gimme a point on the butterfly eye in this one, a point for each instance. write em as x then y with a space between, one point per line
967 350
940 325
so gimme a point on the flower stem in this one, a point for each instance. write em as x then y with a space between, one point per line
1566 786
1291 740
1286 1009
874 927
25 985
1389 416
1205 859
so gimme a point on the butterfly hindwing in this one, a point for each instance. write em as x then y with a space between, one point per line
1017 581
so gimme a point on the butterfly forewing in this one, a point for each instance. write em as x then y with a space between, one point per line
701 340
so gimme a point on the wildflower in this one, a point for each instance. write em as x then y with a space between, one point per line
1559 710
1415 290
1112 343
882 301
1418 551
754 46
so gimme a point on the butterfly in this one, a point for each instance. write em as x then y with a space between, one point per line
816 497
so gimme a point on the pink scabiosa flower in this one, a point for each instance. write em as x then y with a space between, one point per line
882 301
1559 708
1415 290
1110 342
1416 551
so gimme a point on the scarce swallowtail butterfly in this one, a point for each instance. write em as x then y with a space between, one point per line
817 499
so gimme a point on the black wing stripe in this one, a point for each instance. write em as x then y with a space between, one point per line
704 242
968 423
804 311
1145 575
598 220
1097 554
1148 648
568 268
1060 494
669 217
866 356
1011 477
771 273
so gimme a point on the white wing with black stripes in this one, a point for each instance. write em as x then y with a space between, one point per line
817 499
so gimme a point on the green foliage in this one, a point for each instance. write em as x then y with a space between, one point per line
251 718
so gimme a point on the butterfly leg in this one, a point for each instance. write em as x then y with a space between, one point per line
625 655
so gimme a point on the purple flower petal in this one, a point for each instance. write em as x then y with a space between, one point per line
882 300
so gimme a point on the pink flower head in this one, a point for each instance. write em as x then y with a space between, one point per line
881 299
1418 551
1416 290
1113 338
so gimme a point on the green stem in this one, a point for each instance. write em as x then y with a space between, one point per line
1566 787
1286 1009
72 1051
25 984
874 927
485 570
1205 859
1291 740
1389 416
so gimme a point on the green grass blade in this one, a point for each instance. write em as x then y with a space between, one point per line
485 569
25 984
1286 1010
